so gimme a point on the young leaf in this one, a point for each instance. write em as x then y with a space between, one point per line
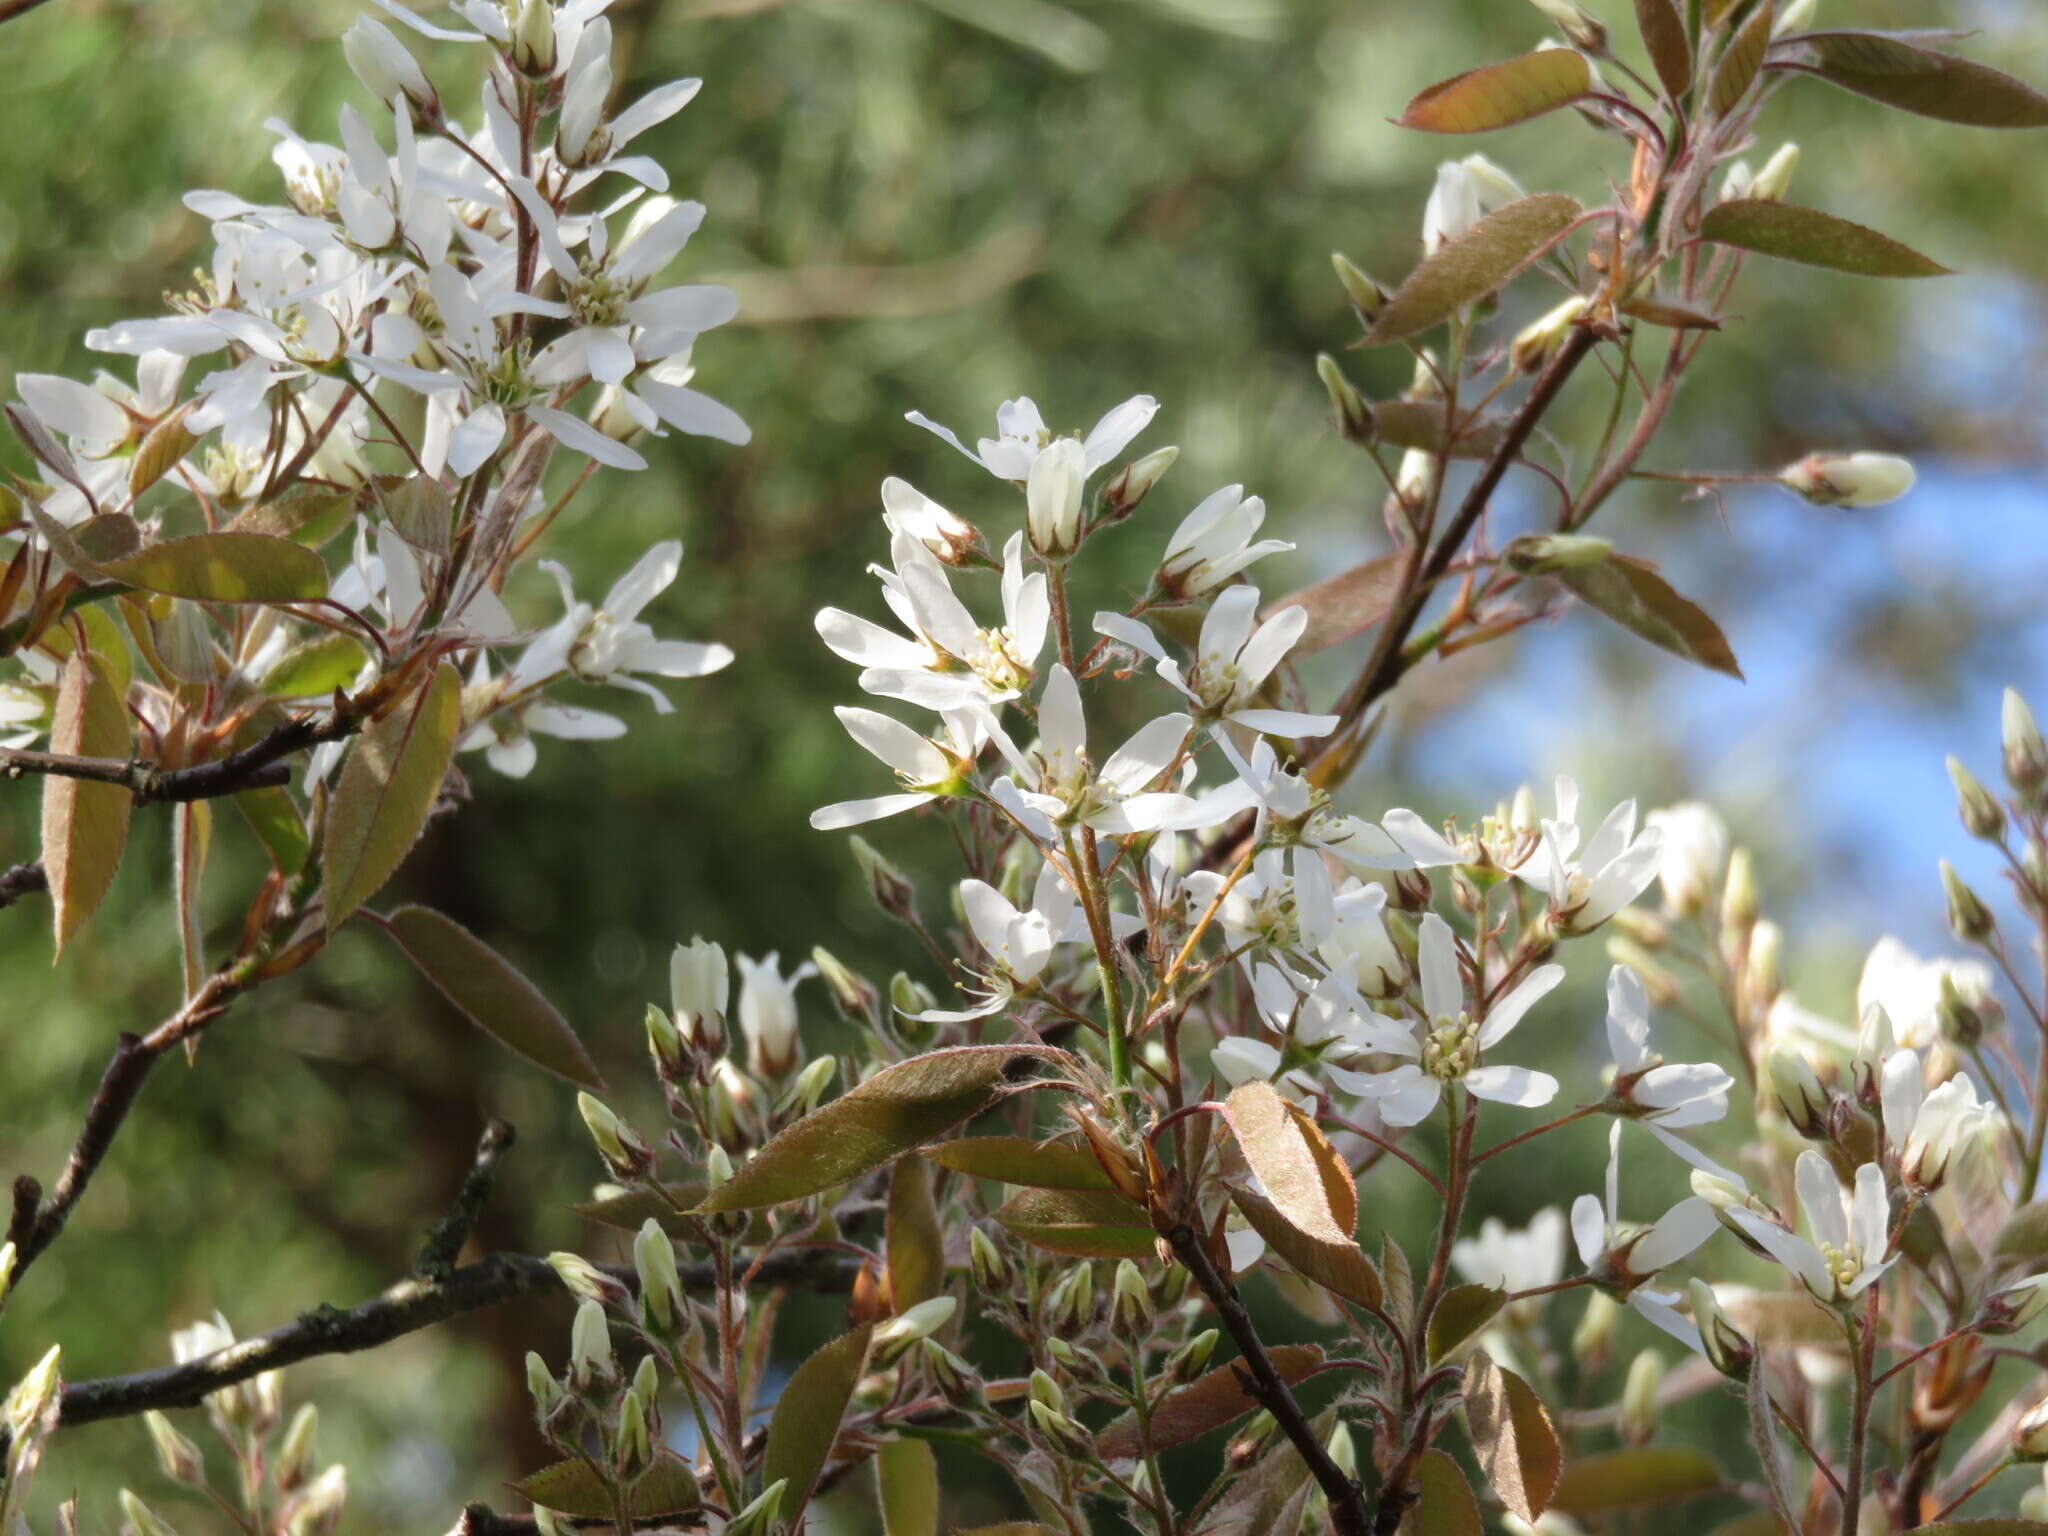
1665 312
85 825
1610 1480
1346 604
907 1484
1518 1450
1472 266
1341 1267
1444 1505
161 451
1400 1282
669 1487
387 788
1020 1160
1303 1177
1639 600
1210 1401
806 1419
491 992
915 1244
1420 424
1664 36
1793 233
314 668
1741 61
1495 95
897 1110
1763 1434
274 817
1460 1313
1081 1223
191 837
307 515
1914 79
225 567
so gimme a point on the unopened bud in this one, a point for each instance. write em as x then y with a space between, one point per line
896 1336
758 1518
2026 755
2030 1434
1849 479
1775 179
661 1287
590 1347
1130 1300
809 1087
1981 814
180 1460
664 1044
1249 1443
1343 1449
852 994
542 1387
385 67
1728 1349
1737 182
1583 30
1043 1389
1639 1408
586 1282
1366 296
992 1274
319 1508
1064 1434
890 887
1070 1305
1192 1358
139 1518
2013 1308
618 1143
717 1168
1354 416
1129 487
1794 17
1052 498
1593 1339
1739 904
1535 342
533 38
699 987
1959 1018
1968 918
1874 1042
632 1452
1798 1090
1537 554
295 1457
908 998
949 1373
1761 981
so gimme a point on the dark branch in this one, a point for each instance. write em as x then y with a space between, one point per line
256 766
22 880
444 1243
412 1304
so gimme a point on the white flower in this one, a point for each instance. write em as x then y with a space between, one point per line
1587 887
506 734
1019 944
1695 846
1292 810
1625 1254
608 644
1926 1130
1234 657
929 767
1447 1045
906 509
699 987
1359 947
1515 1259
1908 988
768 1013
1214 542
1850 1231
1465 191
1070 791
1677 1095
1022 436
1052 498
1283 902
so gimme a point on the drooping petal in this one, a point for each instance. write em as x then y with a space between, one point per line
651 574
1111 435
1509 1011
1589 1229
1628 1019
574 433
1674 1235
866 644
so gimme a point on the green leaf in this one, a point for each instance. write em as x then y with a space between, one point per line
1664 37
1444 1504
1595 1485
1420 424
306 515
1741 60
1512 1434
1919 80
669 1487
491 992
1793 233
385 793
1632 594
1020 1160
314 668
915 1246
1081 1223
1495 95
1346 604
1460 1313
1467 269
85 824
1209 1402
806 1419
274 817
2024 1235
897 1110
907 1484
225 567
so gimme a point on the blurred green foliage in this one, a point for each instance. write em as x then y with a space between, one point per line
934 205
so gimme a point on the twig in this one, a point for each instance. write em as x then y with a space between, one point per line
22 880
444 1243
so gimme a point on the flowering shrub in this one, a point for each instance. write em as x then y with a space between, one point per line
1186 1013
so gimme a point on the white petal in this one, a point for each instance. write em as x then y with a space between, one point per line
1820 1197
1512 1085
1676 1233
1589 1229
854 813
1145 756
1628 1019
1443 987
470 444
895 743
574 433
651 574
1284 722
1508 1012
1113 433
1129 631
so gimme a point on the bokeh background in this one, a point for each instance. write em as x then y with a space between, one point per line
939 204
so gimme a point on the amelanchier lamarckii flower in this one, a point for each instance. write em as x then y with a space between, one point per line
1214 543
1677 1095
1851 1231
1234 657
1447 1045
1621 1255
1588 885
930 768
1021 436
1069 791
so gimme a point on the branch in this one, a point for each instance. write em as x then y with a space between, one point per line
257 766
412 1304
1347 1499
444 1243
22 880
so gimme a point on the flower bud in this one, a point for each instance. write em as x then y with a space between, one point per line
1593 1339
907 999
180 1460
758 1518
1367 296
139 1518
1874 1042
1043 1389
890 887
1739 904
1130 1301
1130 486
1583 30
1354 416
2030 1434
1849 479
542 1387
664 1045
386 69
1052 498
1981 814
1968 918
586 1282
632 1452
1961 1018
852 994
1728 1349
619 1144
1798 1090
319 1508
1192 1358
2011 1309
699 987
991 1270
810 1085
954 1377
717 1168
2026 755
1738 182
1796 16
1070 1305
590 1347
661 1287
1775 179
1639 1408
1761 982
533 38
295 1457
1064 1434
2033 1504
1250 1442
1535 342
1538 554
910 1326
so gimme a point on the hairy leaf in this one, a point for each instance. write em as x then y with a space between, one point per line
916 1247
1082 1223
1495 95
1632 594
1341 1267
1303 1177
1472 266
191 838
274 817
1020 1160
1666 312
1914 79
1741 60
1258 1500
806 1419
307 515
897 1110
1460 1313
85 825
1793 233
225 567
161 451
386 790
907 1483
1444 1504
572 1488
1518 1449
1210 1401
1346 604
314 668
1664 37
1610 1480
491 992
